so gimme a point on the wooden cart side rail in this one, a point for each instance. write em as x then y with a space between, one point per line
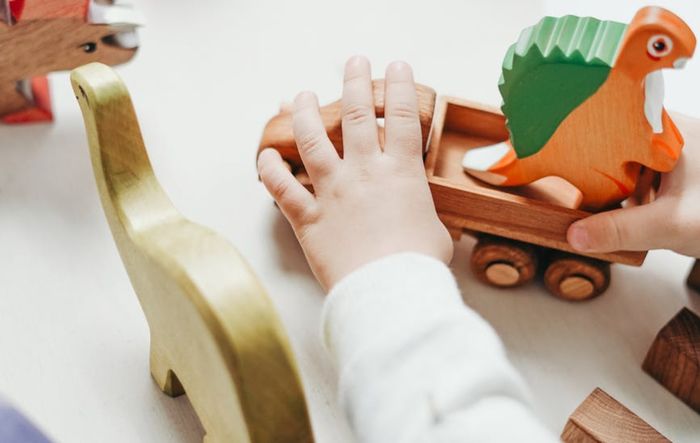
534 222
484 119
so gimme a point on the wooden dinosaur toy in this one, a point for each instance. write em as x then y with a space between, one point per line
215 334
583 100
42 36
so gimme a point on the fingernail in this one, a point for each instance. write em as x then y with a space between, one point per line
304 98
357 60
400 68
578 238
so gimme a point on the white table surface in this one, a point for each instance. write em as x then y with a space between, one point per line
73 339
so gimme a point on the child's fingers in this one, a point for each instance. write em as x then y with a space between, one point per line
292 198
316 150
360 134
638 228
401 122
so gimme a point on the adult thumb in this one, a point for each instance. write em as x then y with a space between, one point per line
627 229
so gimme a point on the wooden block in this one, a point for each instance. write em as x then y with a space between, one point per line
214 332
602 419
694 276
42 36
674 358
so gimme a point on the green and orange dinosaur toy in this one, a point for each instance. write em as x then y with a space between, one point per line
583 100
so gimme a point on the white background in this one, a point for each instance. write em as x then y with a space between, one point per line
73 340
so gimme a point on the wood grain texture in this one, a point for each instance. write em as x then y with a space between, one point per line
39 44
48 9
539 214
576 278
674 358
602 419
693 280
278 132
214 332
503 263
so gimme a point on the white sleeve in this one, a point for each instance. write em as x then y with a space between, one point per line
417 365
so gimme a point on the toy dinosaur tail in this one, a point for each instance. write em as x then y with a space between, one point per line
497 165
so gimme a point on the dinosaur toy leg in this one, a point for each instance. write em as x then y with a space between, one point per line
27 101
499 165
599 188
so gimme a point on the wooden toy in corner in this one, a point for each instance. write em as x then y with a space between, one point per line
673 358
693 279
42 36
584 128
214 332
602 419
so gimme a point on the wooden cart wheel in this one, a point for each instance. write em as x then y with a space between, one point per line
503 263
577 278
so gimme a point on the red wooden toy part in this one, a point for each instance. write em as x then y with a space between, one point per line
41 112
46 9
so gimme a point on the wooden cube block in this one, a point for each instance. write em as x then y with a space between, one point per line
694 276
601 418
674 358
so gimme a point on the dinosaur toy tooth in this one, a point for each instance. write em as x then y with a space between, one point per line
123 17
680 62
654 100
115 14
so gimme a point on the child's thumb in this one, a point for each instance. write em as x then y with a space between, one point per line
627 229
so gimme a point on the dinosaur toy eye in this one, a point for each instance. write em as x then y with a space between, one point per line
659 46
89 47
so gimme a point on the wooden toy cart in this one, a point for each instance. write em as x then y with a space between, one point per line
520 231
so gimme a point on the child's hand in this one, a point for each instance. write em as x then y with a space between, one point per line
371 203
672 221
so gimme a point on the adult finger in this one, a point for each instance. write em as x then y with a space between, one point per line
638 228
401 122
316 150
292 198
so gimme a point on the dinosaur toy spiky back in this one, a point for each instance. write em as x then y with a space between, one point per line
583 100
541 70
